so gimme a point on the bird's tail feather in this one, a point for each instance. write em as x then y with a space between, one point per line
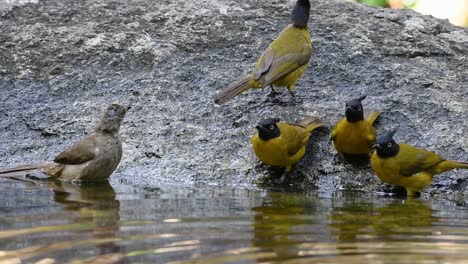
310 123
372 116
19 170
447 165
233 90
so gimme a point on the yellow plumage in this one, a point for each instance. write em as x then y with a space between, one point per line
282 64
412 168
286 149
355 138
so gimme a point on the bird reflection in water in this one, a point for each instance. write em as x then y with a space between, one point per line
355 221
280 226
95 203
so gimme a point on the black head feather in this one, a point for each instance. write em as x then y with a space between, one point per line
268 129
354 110
386 146
300 13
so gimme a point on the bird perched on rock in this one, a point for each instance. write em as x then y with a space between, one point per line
355 135
93 158
283 62
281 144
407 166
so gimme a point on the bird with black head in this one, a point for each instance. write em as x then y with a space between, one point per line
355 134
282 144
283 62
408 166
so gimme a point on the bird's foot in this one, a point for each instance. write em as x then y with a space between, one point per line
281 179
273 94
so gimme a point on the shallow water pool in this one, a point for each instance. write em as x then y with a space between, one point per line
57 222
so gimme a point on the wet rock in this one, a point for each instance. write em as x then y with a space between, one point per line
62 61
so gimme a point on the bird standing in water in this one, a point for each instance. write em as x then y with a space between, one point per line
281 144
94 158
355 135
407 166
283 62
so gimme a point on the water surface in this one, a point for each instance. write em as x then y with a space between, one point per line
57 222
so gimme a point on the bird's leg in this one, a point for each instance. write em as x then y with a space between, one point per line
281 179
292 94
273 92
283 176
410 194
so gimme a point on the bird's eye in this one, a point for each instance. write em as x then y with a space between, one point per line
389 145
359 108
272 127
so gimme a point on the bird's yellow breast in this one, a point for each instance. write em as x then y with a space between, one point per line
388 171
354 138
274 152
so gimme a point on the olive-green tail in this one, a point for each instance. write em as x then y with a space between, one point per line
233 90
372 116
447 165
310 123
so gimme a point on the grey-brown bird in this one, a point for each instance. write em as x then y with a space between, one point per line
94 158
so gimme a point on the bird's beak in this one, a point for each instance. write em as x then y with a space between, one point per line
259 127
376 146
348 109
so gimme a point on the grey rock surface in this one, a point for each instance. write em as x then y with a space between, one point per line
62 61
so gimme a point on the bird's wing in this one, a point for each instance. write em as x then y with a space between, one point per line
372 115
295 136
80 152
334 131
414 160
264 63
283 65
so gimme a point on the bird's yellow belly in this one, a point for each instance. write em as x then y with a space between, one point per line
290 80
388 171
353 139
272 153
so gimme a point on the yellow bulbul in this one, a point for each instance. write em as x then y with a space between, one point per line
407 166
355 135
283 62
282 144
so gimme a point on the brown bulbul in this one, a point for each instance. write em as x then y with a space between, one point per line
94 158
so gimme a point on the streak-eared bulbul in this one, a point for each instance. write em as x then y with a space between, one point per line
93 158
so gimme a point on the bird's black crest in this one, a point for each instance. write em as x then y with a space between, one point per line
356 102
386 146
354 110
267 128
300 13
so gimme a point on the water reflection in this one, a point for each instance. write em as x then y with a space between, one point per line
70 223
92 207
277 224
95 203
357 220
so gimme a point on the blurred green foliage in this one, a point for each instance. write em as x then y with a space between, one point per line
389 3
382 3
